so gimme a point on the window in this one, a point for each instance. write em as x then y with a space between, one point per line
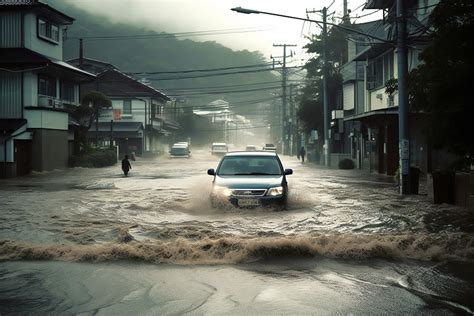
68 92
46 86
379 71
48 30
127 107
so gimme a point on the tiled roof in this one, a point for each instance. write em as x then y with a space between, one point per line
115 82
18 2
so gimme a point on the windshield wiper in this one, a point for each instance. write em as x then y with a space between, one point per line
255 174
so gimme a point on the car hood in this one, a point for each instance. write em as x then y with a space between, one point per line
244 182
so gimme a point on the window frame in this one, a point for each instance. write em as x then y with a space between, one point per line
49 28
128 112
49 78
74 94
380 69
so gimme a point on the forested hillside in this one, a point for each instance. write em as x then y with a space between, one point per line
143 51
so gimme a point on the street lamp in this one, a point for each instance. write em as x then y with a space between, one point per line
320 23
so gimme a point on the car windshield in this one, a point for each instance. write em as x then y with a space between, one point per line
219 147
179 151
249 165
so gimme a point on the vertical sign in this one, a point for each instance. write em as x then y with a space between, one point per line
117 114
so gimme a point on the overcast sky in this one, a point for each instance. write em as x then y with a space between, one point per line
255 32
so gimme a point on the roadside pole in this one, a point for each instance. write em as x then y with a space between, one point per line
327 144
284 118
403 138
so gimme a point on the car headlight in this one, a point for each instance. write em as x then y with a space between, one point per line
276 191
222 191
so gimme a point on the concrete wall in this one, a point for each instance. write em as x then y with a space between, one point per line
47 119
50 149
138 111
41 46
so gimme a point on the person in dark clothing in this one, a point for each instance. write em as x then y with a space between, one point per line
126 166
302 153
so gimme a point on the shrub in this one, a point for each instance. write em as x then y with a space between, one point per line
96 159
346 164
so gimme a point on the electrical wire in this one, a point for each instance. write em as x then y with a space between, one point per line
197 70
220 74
169 35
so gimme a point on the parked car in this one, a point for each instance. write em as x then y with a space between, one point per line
269 147
180 150
219 149
251 148
250 179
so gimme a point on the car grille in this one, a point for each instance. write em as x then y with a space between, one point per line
248 192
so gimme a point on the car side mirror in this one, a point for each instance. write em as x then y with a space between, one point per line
288 171
211 172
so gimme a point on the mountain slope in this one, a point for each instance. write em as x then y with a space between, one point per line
157 54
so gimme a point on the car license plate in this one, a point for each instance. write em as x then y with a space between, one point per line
249 202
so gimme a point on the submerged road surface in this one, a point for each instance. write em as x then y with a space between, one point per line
91 241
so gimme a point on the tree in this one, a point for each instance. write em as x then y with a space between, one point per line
442 86
87 113
310 110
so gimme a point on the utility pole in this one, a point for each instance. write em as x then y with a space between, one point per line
292 121
285 132
327 143
81 54
327 139
403 138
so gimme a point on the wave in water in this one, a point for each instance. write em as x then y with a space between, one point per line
228 250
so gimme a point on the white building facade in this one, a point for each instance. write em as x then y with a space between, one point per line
36 88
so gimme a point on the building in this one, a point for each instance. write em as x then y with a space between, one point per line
370 114
132 102
36 88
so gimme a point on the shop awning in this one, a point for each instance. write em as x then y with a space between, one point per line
375 116
117 129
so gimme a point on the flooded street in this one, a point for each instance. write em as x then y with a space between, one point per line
91 241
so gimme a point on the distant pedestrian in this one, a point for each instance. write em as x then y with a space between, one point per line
302 153
126 166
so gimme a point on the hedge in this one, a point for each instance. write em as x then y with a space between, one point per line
346 164
96 159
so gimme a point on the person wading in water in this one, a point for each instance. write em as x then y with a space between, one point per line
126 166
302 153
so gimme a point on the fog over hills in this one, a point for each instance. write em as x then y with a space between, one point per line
133 48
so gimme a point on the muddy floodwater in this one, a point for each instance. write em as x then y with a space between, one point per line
93 242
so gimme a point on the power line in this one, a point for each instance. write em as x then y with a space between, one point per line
219 74
170 35
228 91
222 87
197 70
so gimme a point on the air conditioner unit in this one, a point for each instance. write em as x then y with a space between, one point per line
370 85
58 104
45 101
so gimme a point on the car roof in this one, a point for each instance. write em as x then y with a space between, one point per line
219 144
180 145
251 153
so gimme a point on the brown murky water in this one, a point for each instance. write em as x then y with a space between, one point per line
94 241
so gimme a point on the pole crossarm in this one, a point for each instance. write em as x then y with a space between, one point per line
320 23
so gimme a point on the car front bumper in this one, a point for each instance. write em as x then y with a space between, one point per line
250 201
